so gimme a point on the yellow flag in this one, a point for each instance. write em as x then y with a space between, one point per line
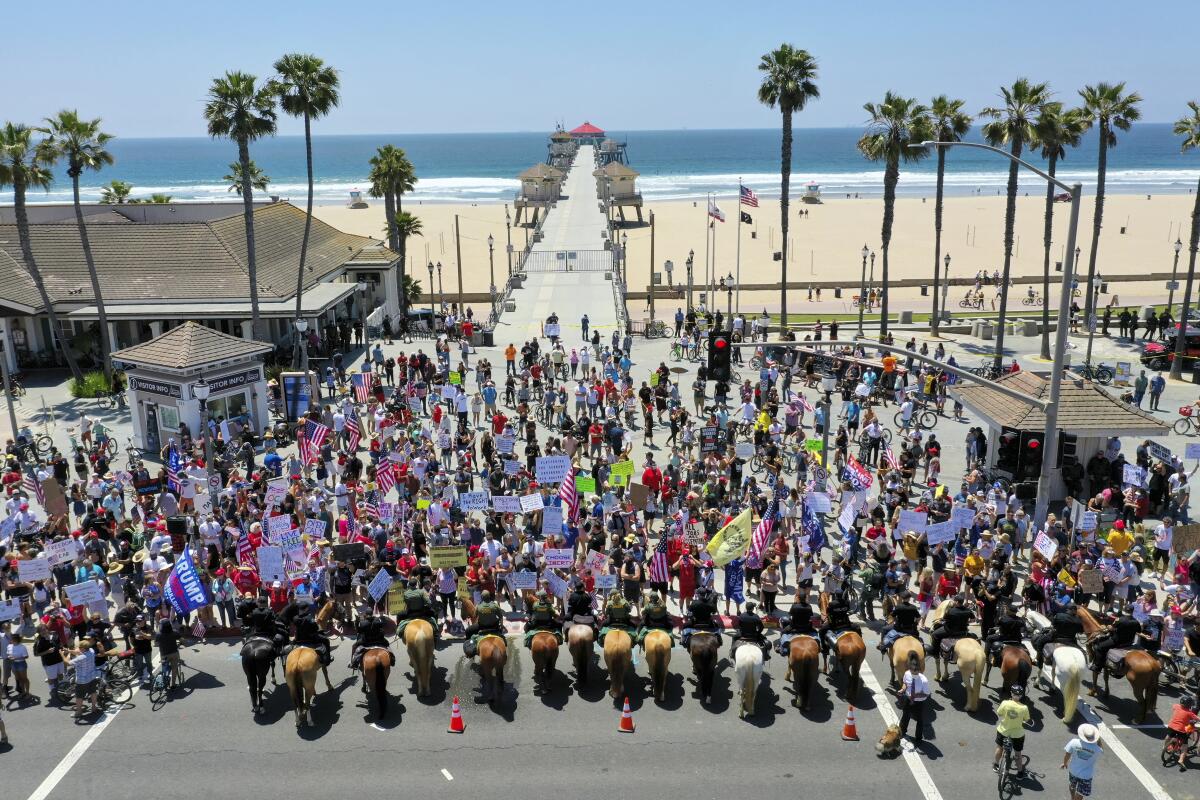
732 541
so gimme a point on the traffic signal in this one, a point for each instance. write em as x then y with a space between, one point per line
1008 451
720 351
1029 456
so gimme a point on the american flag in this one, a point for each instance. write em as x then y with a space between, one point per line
749 198
659 572
758 540
312 437
807 406
890 456
715 212
34 486
810 523
362 386
569 497
858 475
371 503
385 476
174 462
245 550
353 431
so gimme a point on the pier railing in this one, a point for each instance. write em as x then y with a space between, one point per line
568 261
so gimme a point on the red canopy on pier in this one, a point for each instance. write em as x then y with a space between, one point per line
587 129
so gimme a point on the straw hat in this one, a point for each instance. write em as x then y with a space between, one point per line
140 556
115 567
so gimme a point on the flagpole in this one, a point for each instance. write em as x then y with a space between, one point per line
707 239
739 252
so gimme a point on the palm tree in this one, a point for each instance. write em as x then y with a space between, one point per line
115 193
1189 128
24 164
158 198
950 124
82 144
1054 131
239 109
1012 125
897 125
412 290
392 175
257 179
406 225
1107 106
789 82
307 89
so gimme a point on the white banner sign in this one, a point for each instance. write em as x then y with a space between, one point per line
847 517
1134 475
606 581
1089 521
1192 451
62 552
819 502
559 558
314 529
276 491
85 594
380 584
914 521
551 469
523 580
596 561
473 501
1045 545
962 517
558 587
940 532
277 526
506 504
506 442
34 569
270 563
552 519
10 609
531 502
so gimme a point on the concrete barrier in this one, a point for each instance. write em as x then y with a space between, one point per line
986 331
1029 328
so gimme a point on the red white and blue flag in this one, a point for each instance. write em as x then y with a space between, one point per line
748 197
174 463
361 381
762 533
312 437
34 486
385 476
807 406
245 550
659 569
371 503
810 523
715 212
353 432
890 456
569 496
858 475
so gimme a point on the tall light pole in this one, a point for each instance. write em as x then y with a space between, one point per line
1181 330
301 325
492 267
625 260
1094 297
432 312
1174 271
508 236
1050 440
945 286
727 284
691 258
862 289
441 295
362 311
200 390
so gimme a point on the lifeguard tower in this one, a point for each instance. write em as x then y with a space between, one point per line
561 150
356 199
616 185
541 186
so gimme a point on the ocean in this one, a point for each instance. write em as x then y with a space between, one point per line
683 164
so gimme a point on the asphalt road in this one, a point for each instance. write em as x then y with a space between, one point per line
535 745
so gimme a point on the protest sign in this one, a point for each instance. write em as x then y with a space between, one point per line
1045 545
940 532
314 529
523 580
396 603
506 504
819 502
203 503
1133 475
585 485
693 536
506 442
512 466
62 552
456 378
33 569
423 503
552 519
559 557
85 594
744 449
1158 451
606 581
847 517
551 469
531 502
440 557
558 587
1089 521
913 521
277 526
463 591
473 501
270 563
596 561
10 609
349 552
276 490
1091 581
1192 450
621 473
552 330
448 392
639 493
812 445
962 517
379 584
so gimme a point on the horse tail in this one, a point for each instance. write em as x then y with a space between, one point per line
1070 680
1024 670
381 686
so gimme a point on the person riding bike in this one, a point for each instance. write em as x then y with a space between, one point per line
489 621
953 624
655 618
701 616
370 630
1064 627
542 618
1010 629
749 629
1183 722
308 634
617 616
1013 714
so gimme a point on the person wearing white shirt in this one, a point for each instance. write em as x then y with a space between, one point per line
913 693
749 411
1164 535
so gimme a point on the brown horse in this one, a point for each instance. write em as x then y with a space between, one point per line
850 651
1141 669
657 645
580 643
493 655
376 666
1016 667
618 657
804 657
300 672
901 649
704 648
544 649
418 638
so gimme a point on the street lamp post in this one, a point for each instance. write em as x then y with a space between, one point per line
828 385
200 390
1174 271
508 236
492 269
1050 440
362 311
862 289
727 284
871 277
691 258
301 325
945 287
1094 296
431 310
625 260
441 295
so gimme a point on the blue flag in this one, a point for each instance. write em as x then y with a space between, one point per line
811 525
186 591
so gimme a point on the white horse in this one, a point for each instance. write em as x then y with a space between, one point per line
748 663
1069 666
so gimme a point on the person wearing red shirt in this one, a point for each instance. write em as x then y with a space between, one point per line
468 327
246 580
949 583
406 563
595 440
277 595
1183 722
498 423
652 478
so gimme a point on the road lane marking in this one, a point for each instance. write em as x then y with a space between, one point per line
447 775
915 765
1147 727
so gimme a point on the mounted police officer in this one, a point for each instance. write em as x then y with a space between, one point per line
617 616
655 618
542 618
749 629
489 620
417 605
1010 629
1064 627
837 620
308 633
370 629
905 617
701 616
798 622
952 625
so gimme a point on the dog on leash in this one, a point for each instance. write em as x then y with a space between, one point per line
888 745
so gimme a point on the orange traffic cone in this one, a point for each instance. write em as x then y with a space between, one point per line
849 729
626 725
456 720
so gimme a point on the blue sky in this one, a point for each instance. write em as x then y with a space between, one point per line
485 66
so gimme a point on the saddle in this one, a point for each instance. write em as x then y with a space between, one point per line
947 647
1114 661
763 646
1048 651
785 641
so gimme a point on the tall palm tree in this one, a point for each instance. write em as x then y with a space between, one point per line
1189 128
405 225
789 82
116 193
897 125
82 144
1012 124
392 174
243 111
307 89
158 197
950 124
1108 107
24 164
257 179
1054 130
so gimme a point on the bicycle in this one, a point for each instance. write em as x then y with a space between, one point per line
16 388
971 303
165 679
1099 373
921 418
107 401
1172 745
1034 299
1179 671
112 689
1006 778
656 329
1187 424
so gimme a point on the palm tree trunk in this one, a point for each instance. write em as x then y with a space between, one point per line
1046 238
785 178
1010 221
1097 219
937 235
299 339
400 278
389 214
105 344
890 177
1193 246
248 215
27 253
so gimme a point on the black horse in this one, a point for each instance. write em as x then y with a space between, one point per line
704 649
258 656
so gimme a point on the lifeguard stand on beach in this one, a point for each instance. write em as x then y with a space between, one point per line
541 186
616 185
561 150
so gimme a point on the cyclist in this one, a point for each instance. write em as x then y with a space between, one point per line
1013 714
167 640
1183 722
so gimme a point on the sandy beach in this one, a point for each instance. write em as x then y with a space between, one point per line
825 245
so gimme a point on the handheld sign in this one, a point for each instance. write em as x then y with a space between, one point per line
506 504
913 521
606 581
1045 545
551 469
552 519
531 502
270 563
522 580
34 569
473 501
559 558
379 584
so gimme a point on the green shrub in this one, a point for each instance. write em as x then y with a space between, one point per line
92 385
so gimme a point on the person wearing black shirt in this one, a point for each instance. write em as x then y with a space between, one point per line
952 625
905 617
308 634
749 629
701 615
837 620
1064 627
1009 630
143 644
48 646
798 622
168 649
1122 633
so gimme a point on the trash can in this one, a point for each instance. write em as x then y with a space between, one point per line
924 290
837 292
517 281
906 317
510 305
489 338
1104 287
1029 328
1196 373
985 331
476 338
975 326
